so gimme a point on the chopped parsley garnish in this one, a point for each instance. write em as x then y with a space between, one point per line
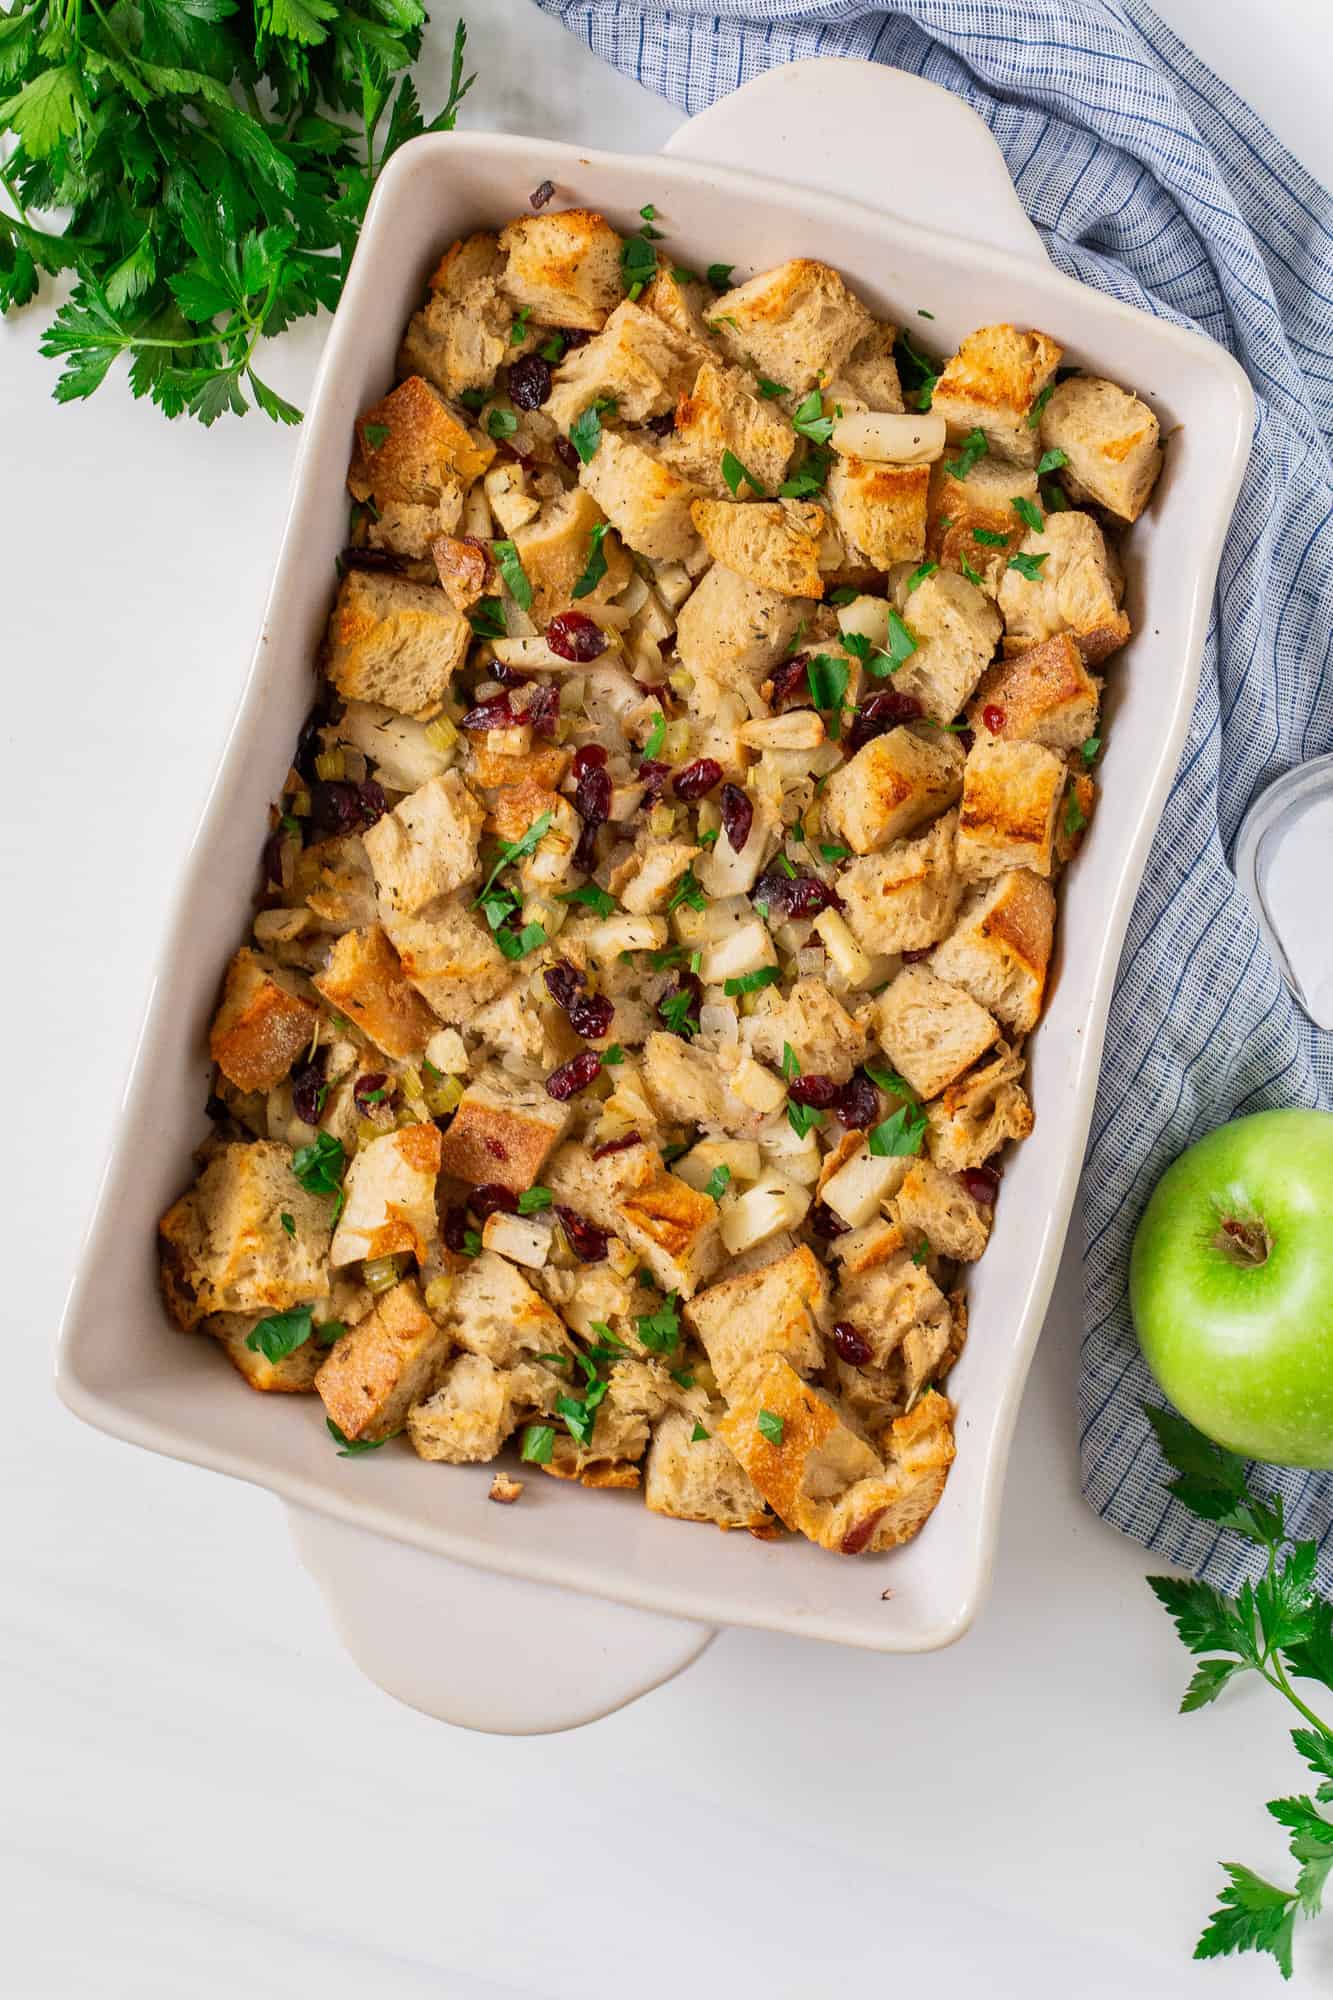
553 350
689 891
769 1426
1089 750
517 944
793 645
698 1434
770 391
375 435
1051 461
355 1447
515 576
968 571
889 1079
918 373
1030 516
902 641
648 212
920 575
683 277
1054 496
487 619
696 963
613 1056
737 475
900 1134
282 1333
1028 566
802 1117
653 741
809 478
719 276
974 447
810 421
660 1331
833 850
707 836
786 864
595 568
791 1066
989 539
638 264
471 1243
534 1199
538 1444
718 1183
675 1013
844 594
921 313
683 1377
751 982
518 331
472 399
1034 414
861 648
501 423
319 1167
580 1412
597 899
922 1251
1075 817
515 850
289 1221
827 677
552 1360
585 433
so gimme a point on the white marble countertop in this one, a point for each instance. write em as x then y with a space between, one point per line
201 1794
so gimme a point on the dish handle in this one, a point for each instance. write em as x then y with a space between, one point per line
485 1651
859 131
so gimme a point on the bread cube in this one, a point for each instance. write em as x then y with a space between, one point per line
1075 816
1000 950
992 384
869 375
411 448
224 1247
891 786
669 1225
293 1375
931 1031
980 500
493 1311
774 1310
460 337
889 1298
564 266
825 1039
477 1407
697 1478
730 629
980 1111
796 324
395 642
648 503
956 627
635 359
377 1370
463 567
880 510
1077 590
1043 695
389 1197
772 543
905 897
554 550
1111 442
1011 799
261 1027
502 1132
366 980
427 846
935 1205
684 1082
720 413
519 807
452 961
656 870
683 304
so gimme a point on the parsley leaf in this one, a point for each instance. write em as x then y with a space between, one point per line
319 1166
844 594
900 1135
810 421
769 1426
1030 516
660 1331
375 435
1075 817
974 447
791 1066
698 1434
916 371
718 1182
859 646
518 943
751 982
769 391
1034 414
968 571
737 475
585 433
674 1009
538 1443
827 678
1051 461
596 898
355 1447
289 1221
487 619
1089 750
689 891
989 539
719 276
282 1333
919 576
833 850
515 850
595 568
511 568
1028 566
501 424
802 1118
653 741
638 265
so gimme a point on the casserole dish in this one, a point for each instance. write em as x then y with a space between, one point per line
402 1556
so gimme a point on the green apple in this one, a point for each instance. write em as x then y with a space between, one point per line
1231 1286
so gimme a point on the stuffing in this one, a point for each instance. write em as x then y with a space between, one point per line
564 266
635 361
796 324
776 1309
516 1026
342 883
936 1205
772 543
224 1247
412 449
979 1112
502 1132
477 1407
293 1375
879 510
978 501
365 980
887 1300
721 413
261 1026
956 628
426 847
646 501
1076 590
554 550
683 304
684 1082
460 337
730 629
696 1478
652 873
395 642
891 785
992 385
869 375
545 764
1000 949
381 1367
451 959
813 1023
494 1312
1043 695
1007 815
1110 441
930 1030
673 1228
389 1197
905 897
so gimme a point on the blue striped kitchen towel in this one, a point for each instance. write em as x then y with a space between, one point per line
1148 178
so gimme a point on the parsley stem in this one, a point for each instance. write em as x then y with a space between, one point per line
1278 1679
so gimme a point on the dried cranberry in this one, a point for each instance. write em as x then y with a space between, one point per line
574 336
590 758
308 743
372 559
541 194
851 1344
308 1086
563 981
966 738
858 1105
824 1223
489 1197
917 953
592 803
216 1109
575 636
737 815
791 679
591 1016
529 382
818 1092
993 717
653 776
856 1537
616 1146
374 805
573 1076
982 1183
339 807
882 712
585 1239
455 1229
496 713
565 452
543 712
273 858
508 677
662 426
697 779
794 895
370 1091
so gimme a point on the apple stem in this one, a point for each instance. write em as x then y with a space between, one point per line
1246 1242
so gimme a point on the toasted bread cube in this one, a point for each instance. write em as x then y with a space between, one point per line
887 1299
1075 816
635 360
956 627
1044 695
991 385
796 324
477 1407
1077 590
293 1375
869 375
813 1023
931 1031
814 1471
427 846
683 305
365 980
684 1083
395 642
905 897
1011 798
460 337
464 569
697 1478
502 1132
936 1205
1110 440
647 502
410 447
978 500
880 510
545 764
669 1225
390 1360
493 1311
730 629
565 266
772 543
654 870
451 960
518 807
389 1197
555 548
261 1027
224 1247
891 786
918 1451
979 1112
720 413
1000 950
774 1310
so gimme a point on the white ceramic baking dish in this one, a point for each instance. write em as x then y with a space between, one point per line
419 1568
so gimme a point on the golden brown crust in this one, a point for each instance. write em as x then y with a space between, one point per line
410 446
364 979
378 1369
260 1029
